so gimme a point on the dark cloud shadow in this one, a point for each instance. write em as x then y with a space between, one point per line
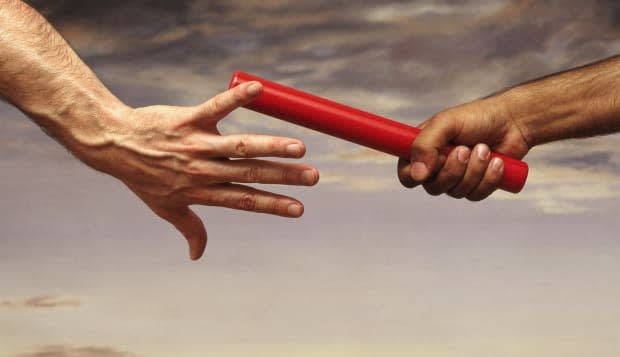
330 43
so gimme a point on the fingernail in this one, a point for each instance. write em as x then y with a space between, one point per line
419 171
462 155
497 164
308 177
253 89
483 152
295 210
293 150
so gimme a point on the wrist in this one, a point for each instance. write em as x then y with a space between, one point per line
82 121
536 114
573 104
94 123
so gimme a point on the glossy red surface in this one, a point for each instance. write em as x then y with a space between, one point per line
352 124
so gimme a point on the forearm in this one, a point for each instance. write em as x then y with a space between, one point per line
42 76
581 102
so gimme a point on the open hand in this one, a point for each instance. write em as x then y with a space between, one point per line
174 157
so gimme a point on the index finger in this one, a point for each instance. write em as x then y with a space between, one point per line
427 148
216 108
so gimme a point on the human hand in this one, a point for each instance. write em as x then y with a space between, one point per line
465 173
174 157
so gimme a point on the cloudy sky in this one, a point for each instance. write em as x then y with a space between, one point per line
372 268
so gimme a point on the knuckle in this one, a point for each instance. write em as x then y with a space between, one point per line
189 145
253 174
418 149
274 145
207 148
197 171
190 195
441 116
446 115
238 95
179 184
438 119
247 202
273 206
192 169
217 104
286 176
193 195
242 147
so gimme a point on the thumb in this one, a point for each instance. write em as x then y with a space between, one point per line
192 228
427 151
190 225
183 219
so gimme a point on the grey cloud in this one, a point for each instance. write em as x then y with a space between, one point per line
428 55
586 161
326 42
86 351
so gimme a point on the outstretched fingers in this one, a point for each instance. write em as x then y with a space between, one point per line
266 172
216 108
250 145
247 199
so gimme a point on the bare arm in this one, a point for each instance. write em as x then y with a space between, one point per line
578 103
45 78
171 157
581 102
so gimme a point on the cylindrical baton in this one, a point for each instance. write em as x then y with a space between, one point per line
353 125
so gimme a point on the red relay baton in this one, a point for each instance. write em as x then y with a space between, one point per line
353 125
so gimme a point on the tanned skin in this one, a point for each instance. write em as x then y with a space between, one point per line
170 157
581 102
